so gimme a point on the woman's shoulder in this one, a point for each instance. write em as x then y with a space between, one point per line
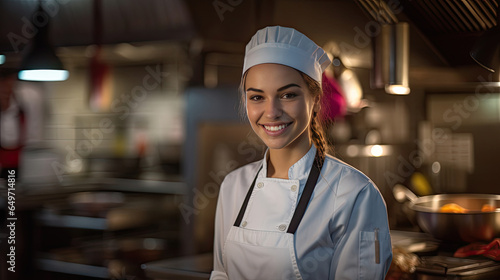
243 173
348 182
344 170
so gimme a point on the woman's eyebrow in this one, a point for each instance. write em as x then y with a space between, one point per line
254 89
280 89
288 86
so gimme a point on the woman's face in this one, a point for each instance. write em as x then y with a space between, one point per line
279 105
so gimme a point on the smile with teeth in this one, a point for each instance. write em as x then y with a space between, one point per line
275 127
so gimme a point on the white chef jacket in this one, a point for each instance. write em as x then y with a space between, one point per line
336 239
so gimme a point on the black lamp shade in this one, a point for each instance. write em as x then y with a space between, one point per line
41 62
487 48
41 56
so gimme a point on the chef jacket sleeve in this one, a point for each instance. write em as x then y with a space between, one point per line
219 273
364 250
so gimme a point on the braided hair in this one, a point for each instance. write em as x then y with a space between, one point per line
317 126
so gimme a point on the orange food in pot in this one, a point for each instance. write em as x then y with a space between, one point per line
488 208
452 208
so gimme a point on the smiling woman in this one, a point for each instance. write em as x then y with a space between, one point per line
280 108
298 213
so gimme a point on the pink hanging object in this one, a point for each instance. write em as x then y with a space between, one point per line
333 104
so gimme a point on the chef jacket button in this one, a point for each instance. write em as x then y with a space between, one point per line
294 188
244 224
260 185
282 227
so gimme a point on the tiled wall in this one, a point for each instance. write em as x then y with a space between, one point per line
71 126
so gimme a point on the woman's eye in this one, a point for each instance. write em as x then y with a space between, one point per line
255 97
288 95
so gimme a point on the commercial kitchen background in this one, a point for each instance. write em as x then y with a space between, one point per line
167 119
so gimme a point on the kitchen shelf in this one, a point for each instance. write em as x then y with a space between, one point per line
72 268
70 221
134 211
66 222
197 267
144 186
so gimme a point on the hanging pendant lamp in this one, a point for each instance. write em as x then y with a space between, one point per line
41 62
399 59
391 59
391 53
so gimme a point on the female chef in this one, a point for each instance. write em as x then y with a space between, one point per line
298 213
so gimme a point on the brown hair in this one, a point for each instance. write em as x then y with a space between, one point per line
317 126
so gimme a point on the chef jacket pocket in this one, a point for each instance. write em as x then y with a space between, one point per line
371 256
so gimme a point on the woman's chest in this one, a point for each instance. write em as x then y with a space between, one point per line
271 205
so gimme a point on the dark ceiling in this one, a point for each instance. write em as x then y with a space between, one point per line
72 21
451 27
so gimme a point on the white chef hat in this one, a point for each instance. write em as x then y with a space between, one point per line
286 46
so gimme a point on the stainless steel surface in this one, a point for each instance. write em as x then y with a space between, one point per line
444 16
472 226
195 267
458 268
401 193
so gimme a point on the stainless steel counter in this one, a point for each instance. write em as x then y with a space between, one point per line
185 268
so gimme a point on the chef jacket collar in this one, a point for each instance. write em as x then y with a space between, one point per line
298 171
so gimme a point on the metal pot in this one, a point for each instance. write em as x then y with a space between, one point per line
474 225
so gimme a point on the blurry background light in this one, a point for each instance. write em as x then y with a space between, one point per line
346 78
355 150
376 150
436 167
353 91
43 75
397 89
352 151
2 59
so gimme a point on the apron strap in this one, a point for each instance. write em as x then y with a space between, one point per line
304 198
306 194
245 202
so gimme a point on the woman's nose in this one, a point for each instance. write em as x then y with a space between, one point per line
273 109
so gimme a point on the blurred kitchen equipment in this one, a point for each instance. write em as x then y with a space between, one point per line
95 203
491 250
39 167
420 184
414 242
474 225
437 267
141 250
194 267
405 261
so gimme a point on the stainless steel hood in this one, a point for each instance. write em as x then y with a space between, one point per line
450 26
